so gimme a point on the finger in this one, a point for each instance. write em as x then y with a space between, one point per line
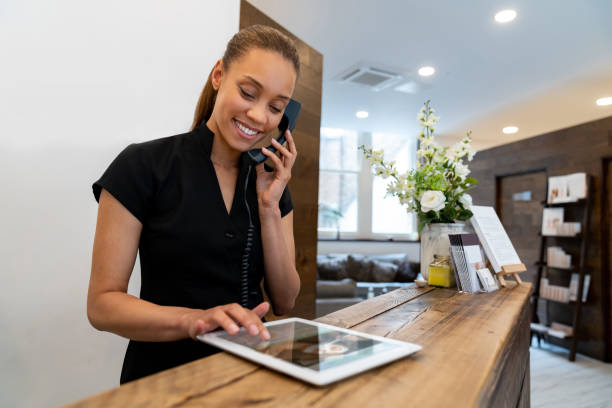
198 328
261 309
281 148
260 169
291 147
223 320
246 318
291 143
275 159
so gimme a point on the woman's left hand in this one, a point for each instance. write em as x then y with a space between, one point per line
270 185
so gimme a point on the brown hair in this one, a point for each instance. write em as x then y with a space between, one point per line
256 36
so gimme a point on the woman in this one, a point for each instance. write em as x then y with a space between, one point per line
208 224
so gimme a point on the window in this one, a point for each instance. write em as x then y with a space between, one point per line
352 202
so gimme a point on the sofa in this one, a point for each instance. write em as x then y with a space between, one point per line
346 279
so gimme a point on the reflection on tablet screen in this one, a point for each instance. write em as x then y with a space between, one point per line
310 346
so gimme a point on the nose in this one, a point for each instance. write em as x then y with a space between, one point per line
257 113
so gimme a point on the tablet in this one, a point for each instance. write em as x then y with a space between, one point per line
310 351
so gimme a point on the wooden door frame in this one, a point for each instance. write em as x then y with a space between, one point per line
498 179
606 165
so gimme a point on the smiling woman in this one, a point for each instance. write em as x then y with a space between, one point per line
207 230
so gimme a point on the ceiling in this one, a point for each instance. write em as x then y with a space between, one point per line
542 72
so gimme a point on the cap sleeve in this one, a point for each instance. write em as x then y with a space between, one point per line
285 203
129 179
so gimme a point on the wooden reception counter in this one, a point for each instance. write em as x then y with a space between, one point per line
475 353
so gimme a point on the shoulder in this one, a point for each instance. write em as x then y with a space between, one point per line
158 148
160 155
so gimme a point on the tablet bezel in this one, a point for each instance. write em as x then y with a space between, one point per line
307 374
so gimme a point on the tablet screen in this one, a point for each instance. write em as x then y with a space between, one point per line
310 346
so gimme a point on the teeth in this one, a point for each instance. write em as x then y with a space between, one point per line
245 129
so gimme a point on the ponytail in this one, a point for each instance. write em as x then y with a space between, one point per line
256 36
205 104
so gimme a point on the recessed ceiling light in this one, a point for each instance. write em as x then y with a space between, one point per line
510 129
362 114
426 71
505 16
604 101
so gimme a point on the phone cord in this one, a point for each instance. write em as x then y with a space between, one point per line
244 278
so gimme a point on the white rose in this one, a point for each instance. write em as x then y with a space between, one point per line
466 201
432 201
461 170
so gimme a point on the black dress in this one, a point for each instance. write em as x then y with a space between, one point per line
190 247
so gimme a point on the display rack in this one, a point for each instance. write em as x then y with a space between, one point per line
582 206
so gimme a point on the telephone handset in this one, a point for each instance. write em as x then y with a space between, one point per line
292 110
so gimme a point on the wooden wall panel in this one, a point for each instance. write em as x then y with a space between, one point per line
304 184
580 148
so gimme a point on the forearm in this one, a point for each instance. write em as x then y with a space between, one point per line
136 319
282 279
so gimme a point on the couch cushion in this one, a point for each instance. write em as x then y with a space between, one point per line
359 268
407 271
383 271
331 268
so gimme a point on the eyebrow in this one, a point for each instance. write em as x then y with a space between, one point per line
259 85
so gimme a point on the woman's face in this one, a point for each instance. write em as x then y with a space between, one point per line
252 95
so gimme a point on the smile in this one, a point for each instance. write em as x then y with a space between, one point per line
246 131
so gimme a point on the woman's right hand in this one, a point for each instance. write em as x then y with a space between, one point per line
229 317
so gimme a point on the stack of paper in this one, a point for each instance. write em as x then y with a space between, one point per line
558 258
553 292
471 273
553 224
563 189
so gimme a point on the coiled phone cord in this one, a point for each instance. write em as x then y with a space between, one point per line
244 278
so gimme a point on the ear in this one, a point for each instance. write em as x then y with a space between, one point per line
217 75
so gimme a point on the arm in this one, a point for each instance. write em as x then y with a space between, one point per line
282 281
281 277
111 308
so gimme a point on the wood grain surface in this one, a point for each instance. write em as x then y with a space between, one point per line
475 353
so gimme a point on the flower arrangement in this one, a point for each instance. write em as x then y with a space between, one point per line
437 188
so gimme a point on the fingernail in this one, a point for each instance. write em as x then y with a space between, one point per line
253 330
233 328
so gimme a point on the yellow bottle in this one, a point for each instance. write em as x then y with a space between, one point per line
440 272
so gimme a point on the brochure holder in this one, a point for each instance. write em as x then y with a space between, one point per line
512 270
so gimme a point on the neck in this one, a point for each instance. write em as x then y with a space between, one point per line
221 153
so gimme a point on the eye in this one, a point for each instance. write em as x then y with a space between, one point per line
275 109
245 94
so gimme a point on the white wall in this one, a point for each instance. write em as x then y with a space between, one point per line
79 80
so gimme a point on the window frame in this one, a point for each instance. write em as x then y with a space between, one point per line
365 180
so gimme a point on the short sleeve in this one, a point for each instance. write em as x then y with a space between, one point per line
129 179
285 203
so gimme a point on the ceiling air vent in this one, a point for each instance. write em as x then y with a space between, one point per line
374 78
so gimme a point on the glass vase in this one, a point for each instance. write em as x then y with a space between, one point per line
434 241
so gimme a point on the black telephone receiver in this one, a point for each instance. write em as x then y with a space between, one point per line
292 111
